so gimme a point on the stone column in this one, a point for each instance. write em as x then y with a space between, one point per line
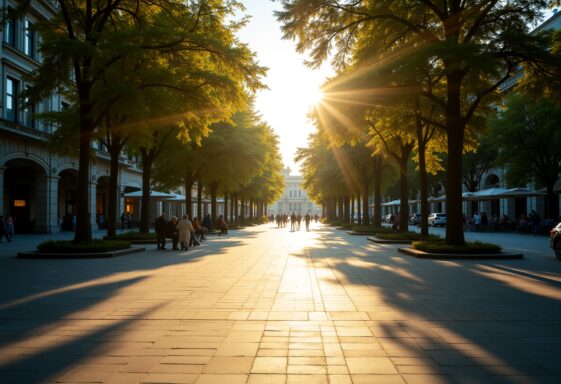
2 169
46 200
92 207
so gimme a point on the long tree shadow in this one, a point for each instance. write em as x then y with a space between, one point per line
451 318
38 293
54 360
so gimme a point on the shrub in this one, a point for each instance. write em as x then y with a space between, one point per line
133 235
471 247
96 246
406 236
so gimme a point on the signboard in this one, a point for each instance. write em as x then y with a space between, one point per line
19 203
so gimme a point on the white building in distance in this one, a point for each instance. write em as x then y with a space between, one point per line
294 199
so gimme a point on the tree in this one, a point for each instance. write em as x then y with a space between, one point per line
528 135
89 38
475 45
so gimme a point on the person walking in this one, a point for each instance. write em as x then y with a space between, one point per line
292 222
307 219
9 224
185 227
160 227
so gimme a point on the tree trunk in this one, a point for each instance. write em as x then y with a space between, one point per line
242 210
365 191
250 210
189 181
232 207
147 157
200 200
236 207
378 165
213 189
404 195
83 232
226 206
347 207
111 217
423 180
455 134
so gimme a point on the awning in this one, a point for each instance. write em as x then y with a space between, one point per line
392 203
176 197
437 198
488 194
520 192
153 195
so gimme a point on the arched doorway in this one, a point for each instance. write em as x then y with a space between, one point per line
101 200
26 195
67 197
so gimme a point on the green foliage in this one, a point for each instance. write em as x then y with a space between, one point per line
95 246
471 247
528 134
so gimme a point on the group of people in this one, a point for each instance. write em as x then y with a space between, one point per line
295 220
6 228
531 223
185 232
126 220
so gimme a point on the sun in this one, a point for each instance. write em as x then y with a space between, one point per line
312 96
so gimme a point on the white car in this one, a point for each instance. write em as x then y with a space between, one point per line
437 219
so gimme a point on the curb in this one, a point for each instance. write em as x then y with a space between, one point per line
384 241
101 255
465 256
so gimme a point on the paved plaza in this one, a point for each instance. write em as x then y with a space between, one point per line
264 305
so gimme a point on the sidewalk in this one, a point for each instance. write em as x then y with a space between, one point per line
266 305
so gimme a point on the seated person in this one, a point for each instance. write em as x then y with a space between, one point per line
222 225
199 230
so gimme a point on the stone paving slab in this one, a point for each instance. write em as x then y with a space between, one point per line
265 305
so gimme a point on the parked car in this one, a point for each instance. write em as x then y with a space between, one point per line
415 219
555 240
437 219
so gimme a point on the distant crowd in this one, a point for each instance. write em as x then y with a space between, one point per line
282 219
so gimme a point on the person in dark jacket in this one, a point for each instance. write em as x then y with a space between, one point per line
173 232
3 230
207 222
160 225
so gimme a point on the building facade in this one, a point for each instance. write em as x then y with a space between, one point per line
38 187
294 198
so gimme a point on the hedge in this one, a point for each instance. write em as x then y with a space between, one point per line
95 246
406 236
133 235
471 247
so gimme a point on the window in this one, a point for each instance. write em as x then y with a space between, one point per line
12 99
10 32
29 114
29 42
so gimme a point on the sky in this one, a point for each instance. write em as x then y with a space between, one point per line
293 87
